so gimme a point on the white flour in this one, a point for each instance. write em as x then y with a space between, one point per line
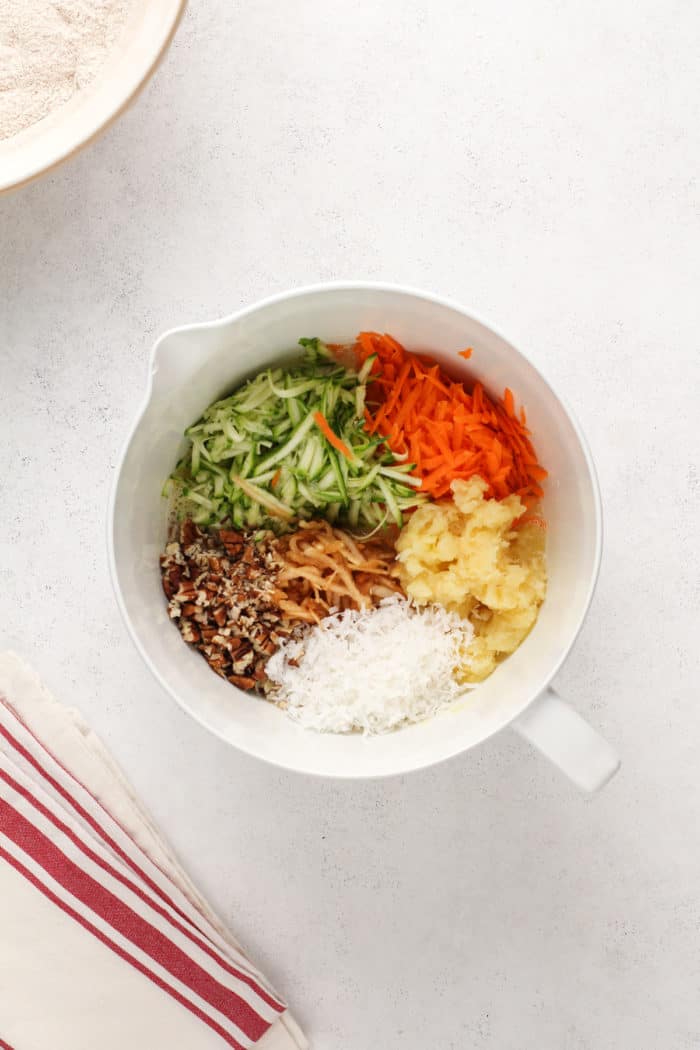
49 49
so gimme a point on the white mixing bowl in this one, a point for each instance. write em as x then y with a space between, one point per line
195 365
40 147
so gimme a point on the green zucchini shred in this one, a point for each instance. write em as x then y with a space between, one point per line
258 460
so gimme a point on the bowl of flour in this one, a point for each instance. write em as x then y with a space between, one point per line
67 69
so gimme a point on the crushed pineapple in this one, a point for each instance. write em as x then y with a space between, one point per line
465 555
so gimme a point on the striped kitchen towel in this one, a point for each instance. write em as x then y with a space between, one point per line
104 941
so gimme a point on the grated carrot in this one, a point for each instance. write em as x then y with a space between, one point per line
448 431
332 438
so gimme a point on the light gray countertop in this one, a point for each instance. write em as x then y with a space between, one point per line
537 162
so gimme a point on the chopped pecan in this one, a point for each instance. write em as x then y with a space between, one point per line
222 591
189 533
190 632
186 592
246 682
233 542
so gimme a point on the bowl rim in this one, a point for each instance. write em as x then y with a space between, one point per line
112 111
531 694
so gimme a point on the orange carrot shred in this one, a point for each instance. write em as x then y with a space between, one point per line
448 429
394 396
466 354
332 438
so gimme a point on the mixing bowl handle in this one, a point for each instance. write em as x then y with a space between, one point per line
567 740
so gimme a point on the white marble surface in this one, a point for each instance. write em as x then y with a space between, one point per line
539 163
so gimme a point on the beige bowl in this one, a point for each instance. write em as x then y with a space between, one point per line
43 145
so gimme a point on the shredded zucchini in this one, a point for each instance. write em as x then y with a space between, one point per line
259 458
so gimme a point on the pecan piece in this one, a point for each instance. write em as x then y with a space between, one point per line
190 632
186 592
246 682
233 542
189 533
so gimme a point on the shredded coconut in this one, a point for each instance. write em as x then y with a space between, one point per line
372 669
49 50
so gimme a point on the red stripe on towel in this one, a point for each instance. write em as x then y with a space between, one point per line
134 888
30 877
83 813
132 926
254 980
